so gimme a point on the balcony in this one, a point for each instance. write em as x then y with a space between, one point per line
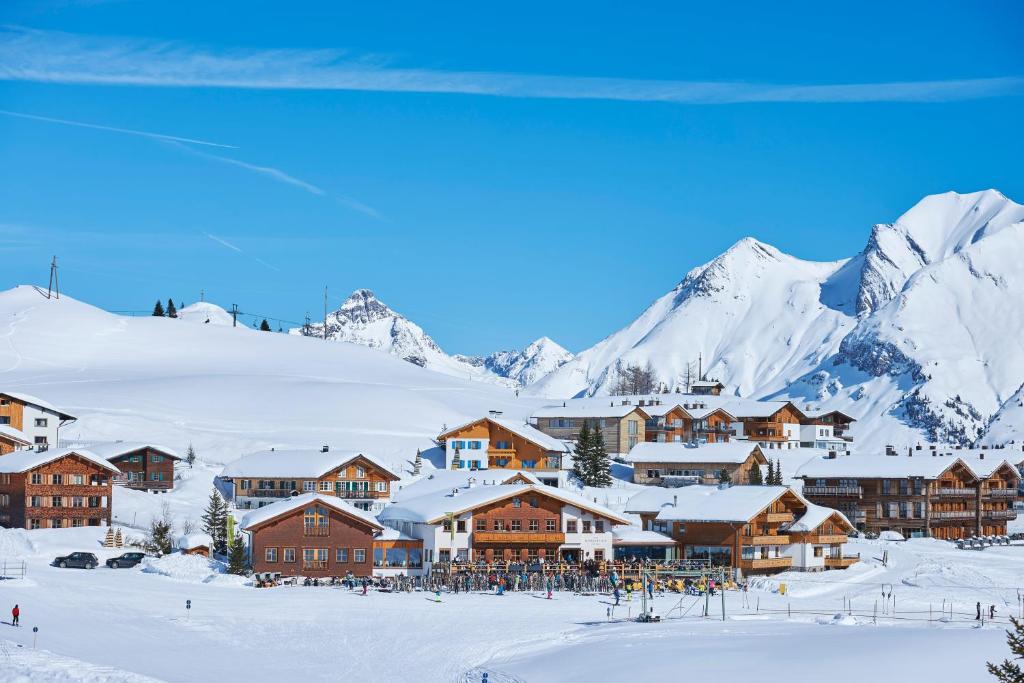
780 539
855 491
956 492
764 431
269 493
999 514
766 563
953 514
841 561
779 517
547 538
316 530
828 539
363 495
1001 493
314 564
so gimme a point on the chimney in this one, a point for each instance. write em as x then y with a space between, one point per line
933 447
675 501
981 456
934 454
918 447
494 413
325 448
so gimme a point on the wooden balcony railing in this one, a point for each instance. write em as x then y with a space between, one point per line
767 563
828 539
953 514
841 562
999 514
779 517
956 491
316 530
549 537
1001 493
856 491
780 539
314 564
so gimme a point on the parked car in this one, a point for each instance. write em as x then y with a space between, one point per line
80 560
126 560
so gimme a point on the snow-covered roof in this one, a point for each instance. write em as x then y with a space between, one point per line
194 540
521 429
672 452
434 507
16 435
23 461
390 534
634 535
115 449
38 403
707 383
985 467
879 466
705 503
817 413
286 505
447 480
592 409
815 516
301 464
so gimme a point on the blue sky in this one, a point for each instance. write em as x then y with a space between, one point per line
494 174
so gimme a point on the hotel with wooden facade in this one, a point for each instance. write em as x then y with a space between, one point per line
942 494
497 443
53 489
682 464
143 466
621 423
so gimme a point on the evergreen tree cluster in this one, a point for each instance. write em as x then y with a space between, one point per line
171 311
160 530
591 464
215 521
237 563
774 476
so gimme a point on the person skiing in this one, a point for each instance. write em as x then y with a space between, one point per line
977 617
551 586
366 586
991 612
15 613
650 589
616 594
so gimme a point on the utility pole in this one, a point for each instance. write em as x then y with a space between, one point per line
234 315
54 289
700 367
325 312
202 295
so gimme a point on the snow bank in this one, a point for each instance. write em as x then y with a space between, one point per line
191 569
15 544
22 665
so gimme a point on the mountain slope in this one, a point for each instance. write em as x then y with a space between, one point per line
917 336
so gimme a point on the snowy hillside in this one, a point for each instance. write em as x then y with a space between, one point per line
917 336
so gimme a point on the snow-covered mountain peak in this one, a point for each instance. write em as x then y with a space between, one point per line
363 306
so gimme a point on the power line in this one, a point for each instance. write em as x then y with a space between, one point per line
54 288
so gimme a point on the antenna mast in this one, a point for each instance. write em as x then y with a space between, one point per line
54 289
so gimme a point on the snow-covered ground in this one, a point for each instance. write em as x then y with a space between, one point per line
128 624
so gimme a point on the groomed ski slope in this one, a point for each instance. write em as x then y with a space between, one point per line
134 621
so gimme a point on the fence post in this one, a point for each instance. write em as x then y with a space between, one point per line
874 616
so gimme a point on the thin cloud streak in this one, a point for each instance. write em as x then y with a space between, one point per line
47 56
223 242
112 129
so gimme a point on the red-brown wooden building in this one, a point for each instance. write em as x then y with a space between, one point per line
54 489
144 466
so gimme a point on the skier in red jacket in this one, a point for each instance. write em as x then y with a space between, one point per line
15 613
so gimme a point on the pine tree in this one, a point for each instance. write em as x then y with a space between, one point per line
600 465
755 478
417 464
265 326
215 521
236 557
172 312
770 477
158 310
1009 671
581 454
778 472
457 460
160 536
190 456
724 477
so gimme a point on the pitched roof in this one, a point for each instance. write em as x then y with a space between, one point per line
446 480
594 409
301 464
433 507
23 461
707 383
286 505
706 503
879 466
16 435
672 452
821 413
634 535
193 540
37 402
815 516
521 429
115 449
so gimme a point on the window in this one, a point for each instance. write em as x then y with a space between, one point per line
37 478
341 555
314 558
599 526
460 526
245 484
516 525
35 502
886 487
517 502
529 464
586 526
77 502
359 555
818 551
360 473
34 524
5 420
40 440
551 525
156 476
270 554
599 555
58 501
94 501
481 524
5 500
56 479
315 521
78 479
534 502
77 522
41 422
135 458
570 526
56 523
289 554
325 487
309 486
382 486
534 525
446 525
156 458
499 525
474 445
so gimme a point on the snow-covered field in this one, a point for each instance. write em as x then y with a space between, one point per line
131 624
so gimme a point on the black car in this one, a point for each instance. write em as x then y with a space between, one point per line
126 560
80 560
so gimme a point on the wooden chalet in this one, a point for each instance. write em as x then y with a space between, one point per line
620 422
39 420
143 466
497 443
12 439
680 464
673 423
53 489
